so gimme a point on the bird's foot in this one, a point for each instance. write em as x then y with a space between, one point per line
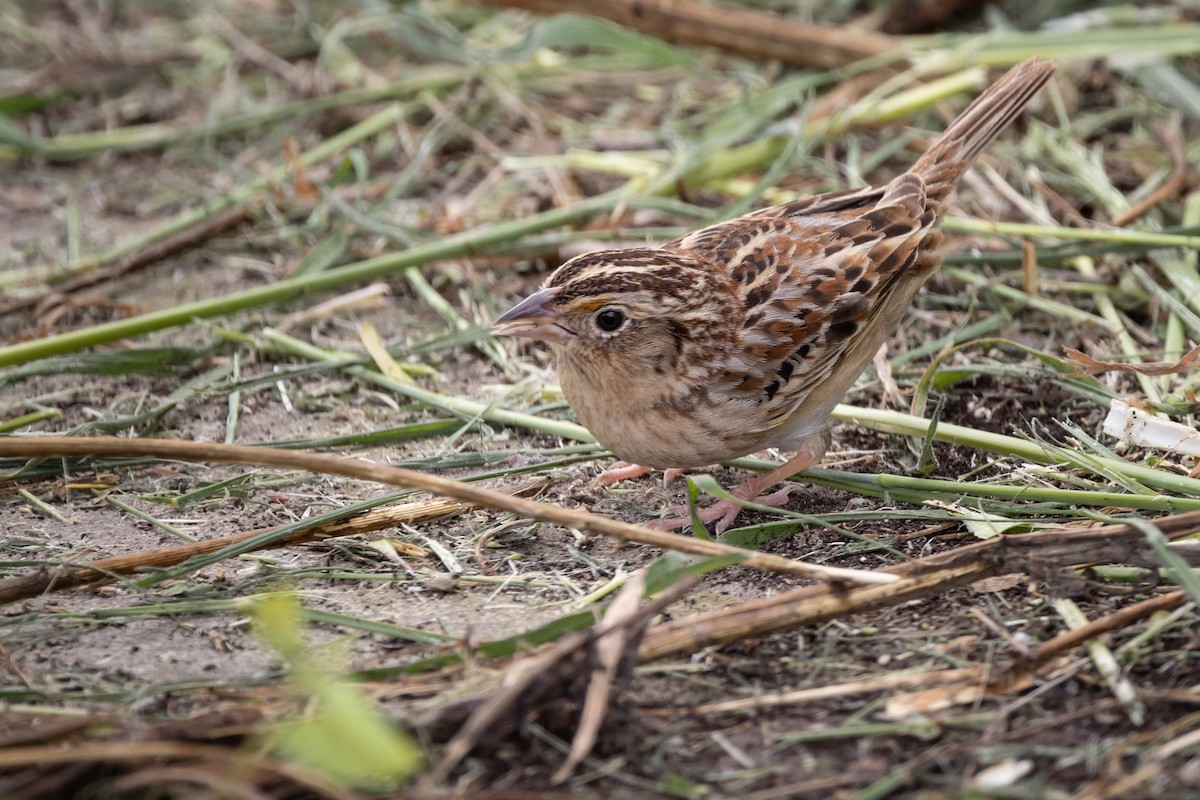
723 512
623 471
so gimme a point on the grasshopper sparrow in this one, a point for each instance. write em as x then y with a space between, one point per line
746 334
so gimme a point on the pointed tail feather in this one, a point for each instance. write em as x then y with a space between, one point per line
982 121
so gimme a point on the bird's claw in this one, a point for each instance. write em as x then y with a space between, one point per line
722 512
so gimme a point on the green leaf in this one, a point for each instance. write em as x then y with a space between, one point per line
23 103
342 733
678 786
946 378
983 525
927 458
693 495
568 31
328 252
672 567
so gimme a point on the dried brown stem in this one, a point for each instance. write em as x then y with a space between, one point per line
120 752
754 34
58 446
902 680
556 664
1094 366
1170 187
1043 554
1113 622
810 605
151 254
103 570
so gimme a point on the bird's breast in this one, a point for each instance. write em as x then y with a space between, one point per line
684 431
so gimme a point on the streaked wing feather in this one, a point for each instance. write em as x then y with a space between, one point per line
815 274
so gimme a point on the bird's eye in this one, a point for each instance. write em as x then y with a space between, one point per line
610 320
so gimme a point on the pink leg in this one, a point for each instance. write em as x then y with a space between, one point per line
622 471
725 512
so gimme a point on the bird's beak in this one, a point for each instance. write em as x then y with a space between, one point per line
535 317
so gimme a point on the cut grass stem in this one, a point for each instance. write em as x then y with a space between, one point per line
371 126
458 406
141 137
918 490
282 291
895 422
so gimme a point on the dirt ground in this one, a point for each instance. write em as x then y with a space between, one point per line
164 666
191 662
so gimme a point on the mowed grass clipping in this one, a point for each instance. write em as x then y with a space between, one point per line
290 225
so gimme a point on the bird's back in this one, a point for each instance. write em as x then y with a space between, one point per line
823 280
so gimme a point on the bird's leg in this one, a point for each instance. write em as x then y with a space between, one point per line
623 471
724 512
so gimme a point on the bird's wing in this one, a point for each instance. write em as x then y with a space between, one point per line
813 277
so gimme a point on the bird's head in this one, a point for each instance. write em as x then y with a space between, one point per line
627 316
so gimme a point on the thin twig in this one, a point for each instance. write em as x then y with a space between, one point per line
150 254
105 569
1169 188
742 31
1112 622
1039 553
58 446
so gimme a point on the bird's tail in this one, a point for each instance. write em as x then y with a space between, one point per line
982 121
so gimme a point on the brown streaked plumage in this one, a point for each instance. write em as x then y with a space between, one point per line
746 334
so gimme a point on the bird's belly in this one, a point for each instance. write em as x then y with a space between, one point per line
660 438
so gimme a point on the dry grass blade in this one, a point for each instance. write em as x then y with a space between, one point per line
803 696
1094 366
807 606
1112 622
104 570
1043 554
549 673
211 756
148 255
57 446
1173 185
625 622
1103 661
745 32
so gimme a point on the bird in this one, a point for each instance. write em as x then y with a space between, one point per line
746 334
